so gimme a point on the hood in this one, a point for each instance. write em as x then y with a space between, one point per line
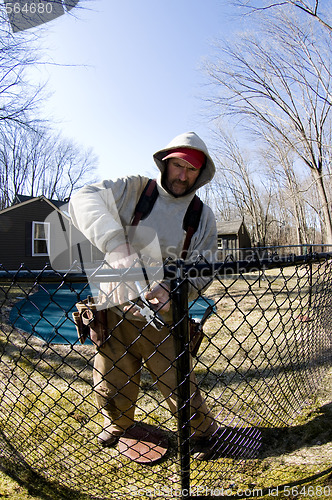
189 140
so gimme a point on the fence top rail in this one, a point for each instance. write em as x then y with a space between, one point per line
304 246
174 270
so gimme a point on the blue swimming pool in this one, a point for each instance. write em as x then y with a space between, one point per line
48 312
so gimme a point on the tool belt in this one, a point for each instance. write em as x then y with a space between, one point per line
90 321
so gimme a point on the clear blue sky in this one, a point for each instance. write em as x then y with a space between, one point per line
133 79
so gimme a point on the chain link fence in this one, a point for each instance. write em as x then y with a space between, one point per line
265 348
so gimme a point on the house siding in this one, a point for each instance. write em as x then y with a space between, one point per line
235 240
67 244
16 235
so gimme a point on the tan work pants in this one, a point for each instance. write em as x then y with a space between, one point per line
117 370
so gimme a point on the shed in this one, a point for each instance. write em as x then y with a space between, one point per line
36 231
233 240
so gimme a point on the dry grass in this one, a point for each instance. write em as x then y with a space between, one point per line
259 366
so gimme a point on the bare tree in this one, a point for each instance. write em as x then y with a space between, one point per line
312 8
279 82
280 165
33 161
19 50
18 99
238 181
38 163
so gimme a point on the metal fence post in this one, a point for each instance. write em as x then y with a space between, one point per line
179 289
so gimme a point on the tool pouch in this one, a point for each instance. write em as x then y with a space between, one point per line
90 322
196 335
196 330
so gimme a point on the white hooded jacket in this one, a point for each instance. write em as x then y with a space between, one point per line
103 211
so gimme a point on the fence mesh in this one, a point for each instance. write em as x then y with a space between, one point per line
265 349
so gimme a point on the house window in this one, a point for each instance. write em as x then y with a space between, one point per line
40 238
220 243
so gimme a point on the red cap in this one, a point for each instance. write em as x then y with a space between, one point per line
195 157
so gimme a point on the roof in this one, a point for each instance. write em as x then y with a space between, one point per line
229 227
21 199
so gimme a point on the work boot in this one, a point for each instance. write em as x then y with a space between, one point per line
107 439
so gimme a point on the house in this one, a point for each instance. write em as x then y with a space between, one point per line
36 231
233 240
